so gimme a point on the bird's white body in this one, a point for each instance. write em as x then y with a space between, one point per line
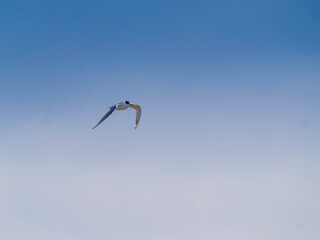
122 106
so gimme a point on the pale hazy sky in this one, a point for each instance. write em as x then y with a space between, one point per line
228 145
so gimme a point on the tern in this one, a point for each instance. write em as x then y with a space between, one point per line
122 106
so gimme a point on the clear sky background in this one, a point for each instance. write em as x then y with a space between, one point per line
228 145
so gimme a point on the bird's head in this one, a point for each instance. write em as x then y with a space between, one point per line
127 102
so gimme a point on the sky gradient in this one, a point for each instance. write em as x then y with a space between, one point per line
228 145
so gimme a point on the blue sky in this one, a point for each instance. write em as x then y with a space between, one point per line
228 143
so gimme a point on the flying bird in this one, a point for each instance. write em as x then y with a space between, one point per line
122 106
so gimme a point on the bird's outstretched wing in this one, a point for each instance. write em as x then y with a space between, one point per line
105 116
138 113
